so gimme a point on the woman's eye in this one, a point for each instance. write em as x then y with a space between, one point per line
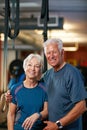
29 65
37 66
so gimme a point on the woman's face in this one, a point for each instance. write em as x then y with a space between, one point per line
33 70
53 55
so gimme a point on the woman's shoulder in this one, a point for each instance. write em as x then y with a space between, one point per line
42 85
16 86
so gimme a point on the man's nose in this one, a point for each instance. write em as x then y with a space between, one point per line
51 54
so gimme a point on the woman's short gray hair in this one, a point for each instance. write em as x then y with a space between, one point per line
29 57
53 41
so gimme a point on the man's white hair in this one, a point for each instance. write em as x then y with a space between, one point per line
29 57
53 41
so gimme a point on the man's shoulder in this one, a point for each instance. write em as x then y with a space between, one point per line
48 72
71 68
46 75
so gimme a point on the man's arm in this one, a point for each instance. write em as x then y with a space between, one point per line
8 96
77 111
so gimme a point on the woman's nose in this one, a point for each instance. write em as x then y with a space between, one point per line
33 67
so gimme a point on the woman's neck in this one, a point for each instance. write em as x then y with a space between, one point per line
30 83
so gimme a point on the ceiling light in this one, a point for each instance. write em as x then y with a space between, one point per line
29 4
71 48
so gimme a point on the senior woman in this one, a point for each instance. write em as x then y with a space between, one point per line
31 112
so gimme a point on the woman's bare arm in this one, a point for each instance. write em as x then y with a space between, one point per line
11 116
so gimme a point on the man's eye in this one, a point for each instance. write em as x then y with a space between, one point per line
55 52
48 53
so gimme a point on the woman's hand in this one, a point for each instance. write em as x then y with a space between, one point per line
29 121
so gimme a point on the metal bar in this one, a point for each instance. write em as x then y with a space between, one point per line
45 17
5 45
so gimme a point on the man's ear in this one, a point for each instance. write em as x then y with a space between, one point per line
62 52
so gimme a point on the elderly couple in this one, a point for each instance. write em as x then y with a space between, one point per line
52 102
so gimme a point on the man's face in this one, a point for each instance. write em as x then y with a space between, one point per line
53 55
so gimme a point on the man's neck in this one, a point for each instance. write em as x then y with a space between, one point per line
60 67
